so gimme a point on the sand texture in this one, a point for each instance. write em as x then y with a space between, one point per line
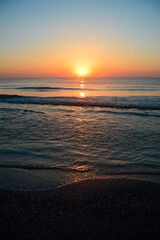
91 209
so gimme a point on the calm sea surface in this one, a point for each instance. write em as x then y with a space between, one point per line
60 130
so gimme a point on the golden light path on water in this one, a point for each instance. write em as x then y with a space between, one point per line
83 171
82 94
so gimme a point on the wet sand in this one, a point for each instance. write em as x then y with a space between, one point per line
91 209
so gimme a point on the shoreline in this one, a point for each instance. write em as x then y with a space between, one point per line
31 181
113 208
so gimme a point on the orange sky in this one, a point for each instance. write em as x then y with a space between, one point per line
54 39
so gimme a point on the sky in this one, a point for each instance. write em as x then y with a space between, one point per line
63 38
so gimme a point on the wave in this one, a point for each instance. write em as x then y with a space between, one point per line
137 102
55 88
82 169
131 113
62 168
45 88
89 89
6 96
20 110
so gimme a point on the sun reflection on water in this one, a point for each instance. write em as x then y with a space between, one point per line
82 168
82 94
78 176
82 85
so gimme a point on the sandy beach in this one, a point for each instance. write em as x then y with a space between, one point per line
91 209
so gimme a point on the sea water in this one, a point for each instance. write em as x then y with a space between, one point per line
56 131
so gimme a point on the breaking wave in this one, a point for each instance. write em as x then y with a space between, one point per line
46 88
52 88
138 102
83 168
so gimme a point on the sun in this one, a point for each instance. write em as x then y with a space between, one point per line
82 72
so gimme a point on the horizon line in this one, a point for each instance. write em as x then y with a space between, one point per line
80 77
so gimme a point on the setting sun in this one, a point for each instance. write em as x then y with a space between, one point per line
82 72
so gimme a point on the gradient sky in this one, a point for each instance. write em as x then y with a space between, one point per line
50 38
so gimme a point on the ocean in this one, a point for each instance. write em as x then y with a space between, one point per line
55 131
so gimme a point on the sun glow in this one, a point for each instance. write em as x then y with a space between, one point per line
82 72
